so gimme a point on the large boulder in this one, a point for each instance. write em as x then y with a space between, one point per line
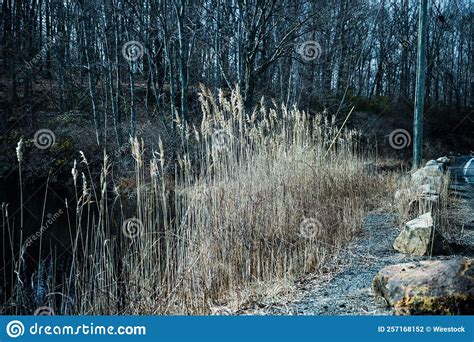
439 287
428 175
418 177
415 192
419 237
408 194
435 182
434 170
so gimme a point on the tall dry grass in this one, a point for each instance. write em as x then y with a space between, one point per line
254 198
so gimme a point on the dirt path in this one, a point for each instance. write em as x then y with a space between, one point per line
349 291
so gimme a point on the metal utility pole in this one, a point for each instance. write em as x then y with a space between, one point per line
420 86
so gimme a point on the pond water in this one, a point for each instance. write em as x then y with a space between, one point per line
44 235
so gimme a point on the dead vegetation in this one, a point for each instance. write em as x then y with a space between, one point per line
258 200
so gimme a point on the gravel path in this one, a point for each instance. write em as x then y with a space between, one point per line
349 291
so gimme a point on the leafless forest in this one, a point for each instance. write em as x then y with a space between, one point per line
118 60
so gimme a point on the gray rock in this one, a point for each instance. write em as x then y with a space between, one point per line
415 192
431 176
428 202
433 170
419 237
418 177
405 194
436 287
427 189
430 198
443 160
435 183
